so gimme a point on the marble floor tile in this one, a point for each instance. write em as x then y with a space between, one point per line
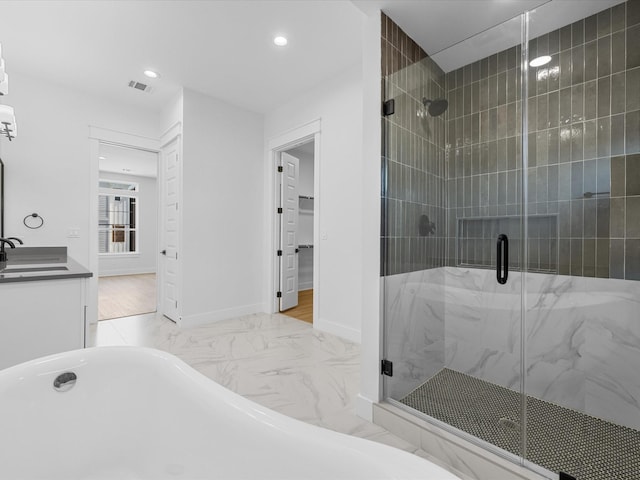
274 360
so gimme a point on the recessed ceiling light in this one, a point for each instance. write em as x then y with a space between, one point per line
539 61
280 41
151 74
102 158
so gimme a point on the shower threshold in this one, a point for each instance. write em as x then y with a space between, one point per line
558 438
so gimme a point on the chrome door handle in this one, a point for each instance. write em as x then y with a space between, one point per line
164 252
502 259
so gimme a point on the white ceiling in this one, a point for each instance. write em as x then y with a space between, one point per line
458 32
128 161
220 48
224 48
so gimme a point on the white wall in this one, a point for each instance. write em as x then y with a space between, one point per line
145 261
370 219
338 103
222 211
47 166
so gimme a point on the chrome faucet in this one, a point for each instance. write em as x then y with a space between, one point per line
16 239
3 254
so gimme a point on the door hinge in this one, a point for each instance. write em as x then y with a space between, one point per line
176 205
280 169
389 107
279 253
297 250
279 209
279 294
387 368
176 303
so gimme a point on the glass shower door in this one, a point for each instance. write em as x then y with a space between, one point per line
582 289
452 184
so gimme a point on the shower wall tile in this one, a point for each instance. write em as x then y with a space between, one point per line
414 328
413 155
583 110
581 346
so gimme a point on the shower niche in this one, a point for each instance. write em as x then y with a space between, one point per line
537 138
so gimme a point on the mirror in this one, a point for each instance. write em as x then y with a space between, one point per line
1 199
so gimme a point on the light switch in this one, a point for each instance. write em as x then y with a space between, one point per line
73 233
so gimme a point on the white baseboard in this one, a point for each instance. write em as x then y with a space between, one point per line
305 286
348 333
124 271
189 321
364 408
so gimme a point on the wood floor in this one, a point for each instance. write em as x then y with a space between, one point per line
126 295
304 310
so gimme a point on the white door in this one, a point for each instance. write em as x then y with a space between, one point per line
289 232
169 258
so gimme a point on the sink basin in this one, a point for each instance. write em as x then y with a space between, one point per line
33 269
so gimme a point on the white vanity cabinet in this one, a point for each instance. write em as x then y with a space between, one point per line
41 317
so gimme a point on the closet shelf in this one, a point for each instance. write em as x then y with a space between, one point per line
304 210
305 197
305 246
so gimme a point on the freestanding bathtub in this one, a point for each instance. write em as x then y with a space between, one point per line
136 413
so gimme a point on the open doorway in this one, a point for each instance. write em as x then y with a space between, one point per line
296 249
127 231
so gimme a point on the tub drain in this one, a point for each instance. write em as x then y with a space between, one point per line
509 424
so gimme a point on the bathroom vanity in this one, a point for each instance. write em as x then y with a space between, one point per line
42 304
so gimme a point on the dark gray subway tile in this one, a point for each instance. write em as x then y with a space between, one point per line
632 228
565 68
565 144
591 64
590 28
618 14
577 33
552 186
618 92
554 73
553 144
633 175
564 219
591 100
590 211
577 103
617 134
590 136
632 259
511 86
604 22
618 182
577 136
577 218
554 42
576 256
564 256
565 37
616 259
604 56
633 13
501 80
633 89
542 113
632 132
590 176
577 65
602 218
617 217
475 96
618 52
589 258
633 52
604 136
604 175
604 96
532 155
577 177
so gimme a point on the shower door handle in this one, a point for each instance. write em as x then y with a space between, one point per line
502 259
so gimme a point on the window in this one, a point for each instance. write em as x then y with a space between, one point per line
117 218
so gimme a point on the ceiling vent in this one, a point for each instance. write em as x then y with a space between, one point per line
140 86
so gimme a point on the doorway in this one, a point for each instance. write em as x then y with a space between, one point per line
127 231
304 247
295 158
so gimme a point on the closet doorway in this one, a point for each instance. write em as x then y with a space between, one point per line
296 250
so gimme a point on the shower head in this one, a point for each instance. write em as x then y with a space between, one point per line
435 107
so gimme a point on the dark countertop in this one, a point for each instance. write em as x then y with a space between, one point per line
40 267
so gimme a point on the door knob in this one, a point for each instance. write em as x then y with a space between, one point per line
164 252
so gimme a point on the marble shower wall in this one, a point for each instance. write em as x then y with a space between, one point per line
582 338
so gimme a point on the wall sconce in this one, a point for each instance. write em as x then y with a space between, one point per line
7 122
